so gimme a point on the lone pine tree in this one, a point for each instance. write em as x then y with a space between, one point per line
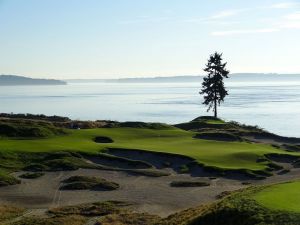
213 87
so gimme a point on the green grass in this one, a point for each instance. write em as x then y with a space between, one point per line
244 207
285 197
225 155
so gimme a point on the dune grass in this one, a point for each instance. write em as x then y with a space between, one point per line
284 197
225 155
9 212
86 182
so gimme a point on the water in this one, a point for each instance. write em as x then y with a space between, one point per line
273 104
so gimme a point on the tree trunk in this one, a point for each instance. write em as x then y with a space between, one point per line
215 110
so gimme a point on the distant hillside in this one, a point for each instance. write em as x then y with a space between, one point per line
189 78
8 80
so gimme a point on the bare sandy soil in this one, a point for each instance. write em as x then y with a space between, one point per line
149 194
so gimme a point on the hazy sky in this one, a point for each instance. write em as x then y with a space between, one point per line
133 38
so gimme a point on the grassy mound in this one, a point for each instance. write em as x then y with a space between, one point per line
6 179
90 209
188 184
56 161
19 128
31 175
92 183
38 162
218 136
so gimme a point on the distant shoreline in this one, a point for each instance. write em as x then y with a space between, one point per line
184 78
13 80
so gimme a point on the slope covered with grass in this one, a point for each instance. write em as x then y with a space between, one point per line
252 206
53 148
23 128
220 154
284 197
227 155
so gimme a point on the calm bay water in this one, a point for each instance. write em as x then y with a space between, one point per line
273 104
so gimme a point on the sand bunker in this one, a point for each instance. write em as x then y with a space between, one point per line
102 139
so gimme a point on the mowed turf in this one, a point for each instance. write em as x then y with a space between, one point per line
226 155
284 197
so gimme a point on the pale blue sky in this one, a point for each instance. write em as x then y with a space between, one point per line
134 38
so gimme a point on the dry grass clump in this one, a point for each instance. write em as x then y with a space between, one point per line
128 219
9 212
90 209
86 182
66 220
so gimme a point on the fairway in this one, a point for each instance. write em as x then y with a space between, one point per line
284 196
221 154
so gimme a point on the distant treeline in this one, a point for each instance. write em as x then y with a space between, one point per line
35 117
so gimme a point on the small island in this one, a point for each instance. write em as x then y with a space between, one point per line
12 80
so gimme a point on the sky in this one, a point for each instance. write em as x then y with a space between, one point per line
67 39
